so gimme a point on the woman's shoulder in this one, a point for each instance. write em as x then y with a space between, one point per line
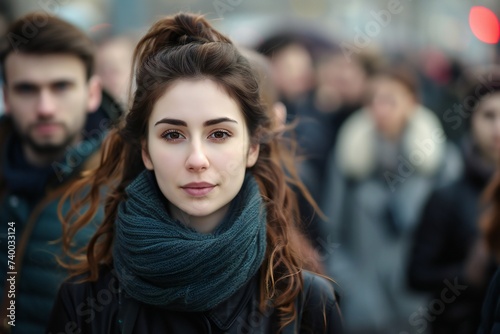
490 315
318 287
82 297
81 285
85 305
318 305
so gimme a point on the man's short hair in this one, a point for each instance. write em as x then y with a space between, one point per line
42 34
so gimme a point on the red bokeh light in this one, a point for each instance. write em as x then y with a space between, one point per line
484 24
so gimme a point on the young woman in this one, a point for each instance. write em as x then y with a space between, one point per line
200 232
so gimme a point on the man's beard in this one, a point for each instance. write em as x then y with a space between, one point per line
48 149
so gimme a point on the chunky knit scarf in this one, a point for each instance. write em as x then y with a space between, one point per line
160 261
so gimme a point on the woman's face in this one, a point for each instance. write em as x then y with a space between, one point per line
486 126
199 148
391 105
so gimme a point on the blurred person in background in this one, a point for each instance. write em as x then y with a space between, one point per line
389 157
448 248
292 70
277 110
320 89
341 84
438 76
292 73
113 66
267 89
490 225
55 121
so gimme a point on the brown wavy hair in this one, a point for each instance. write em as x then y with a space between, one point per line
186 46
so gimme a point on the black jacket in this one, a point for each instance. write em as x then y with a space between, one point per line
101 307
447 232
490 317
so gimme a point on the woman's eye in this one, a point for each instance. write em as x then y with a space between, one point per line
219 135
172 135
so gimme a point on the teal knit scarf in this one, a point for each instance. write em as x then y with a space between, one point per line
160 261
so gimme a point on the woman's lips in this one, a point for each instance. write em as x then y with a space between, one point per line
198 189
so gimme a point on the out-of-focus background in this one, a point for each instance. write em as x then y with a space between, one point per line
418 23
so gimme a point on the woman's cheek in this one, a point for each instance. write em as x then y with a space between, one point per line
232 164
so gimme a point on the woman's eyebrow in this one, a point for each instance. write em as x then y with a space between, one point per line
210 122
219 120
171 121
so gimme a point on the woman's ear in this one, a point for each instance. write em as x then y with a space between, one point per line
146 159
253 155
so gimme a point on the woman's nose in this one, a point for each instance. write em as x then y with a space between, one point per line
197 159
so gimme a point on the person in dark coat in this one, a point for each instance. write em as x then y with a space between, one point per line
447 246
490 226
200 233
56 119
490 314
320 89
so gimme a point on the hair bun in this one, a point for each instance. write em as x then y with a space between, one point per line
180 29
186 39
188 28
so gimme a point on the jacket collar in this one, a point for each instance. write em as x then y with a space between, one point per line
225 314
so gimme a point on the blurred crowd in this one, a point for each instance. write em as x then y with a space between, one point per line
398 150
